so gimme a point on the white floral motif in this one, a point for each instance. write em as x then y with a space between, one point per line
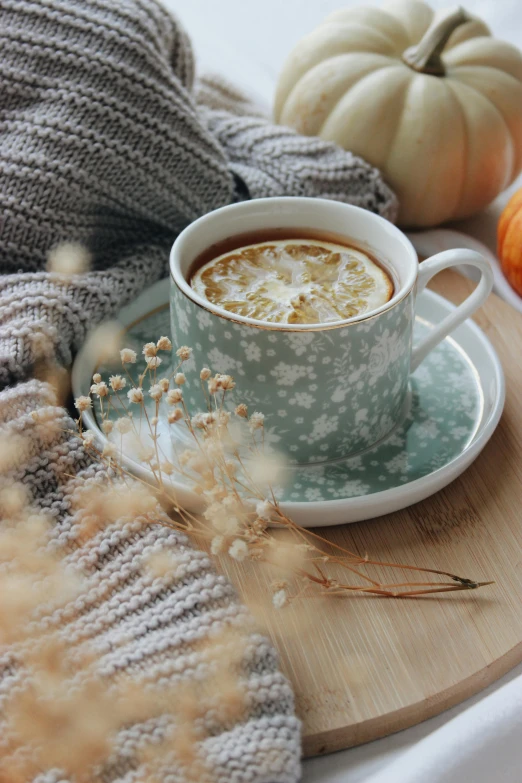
423 373
350 489
204 319
182 319
321 427
288 374
354 463
428 429
222 362
313 493
442 416
386 351
459 432
297 342
396 440
398 464
303 399
252 351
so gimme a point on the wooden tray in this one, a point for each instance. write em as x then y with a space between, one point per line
365 667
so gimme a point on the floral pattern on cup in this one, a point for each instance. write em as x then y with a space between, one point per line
325 393
442 420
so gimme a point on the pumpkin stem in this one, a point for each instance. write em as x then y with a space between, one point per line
426 56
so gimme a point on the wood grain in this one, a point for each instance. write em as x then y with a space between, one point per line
365 667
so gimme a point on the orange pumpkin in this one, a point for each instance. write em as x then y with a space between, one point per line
510 241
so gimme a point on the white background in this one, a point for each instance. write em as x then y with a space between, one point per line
481 740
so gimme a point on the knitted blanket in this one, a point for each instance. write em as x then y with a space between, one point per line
105 140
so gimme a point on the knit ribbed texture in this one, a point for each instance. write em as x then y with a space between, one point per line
150 628
276 161
102 142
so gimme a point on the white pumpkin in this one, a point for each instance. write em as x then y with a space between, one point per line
446 131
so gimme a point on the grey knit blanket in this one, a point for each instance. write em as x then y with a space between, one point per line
106 140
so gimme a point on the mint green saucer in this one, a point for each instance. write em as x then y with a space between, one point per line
457 396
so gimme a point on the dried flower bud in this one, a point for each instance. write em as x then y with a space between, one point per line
184 353
267 470
223 417
69 258
226 382
175 415
104 342
205 374
153 362
213 385
135 395
128 356
199 421
174 396
154 421
179 379
280 599
161 564
149 349
13 500
109 450
167 468
217 544
88 438
123 425
185 457
163 344
238 550
117 383
264 510
164 384
241 411
100 389
96 377
82 403
155 392
231 467
146 453
107 426
256 421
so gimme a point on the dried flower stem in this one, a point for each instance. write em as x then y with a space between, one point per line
223 479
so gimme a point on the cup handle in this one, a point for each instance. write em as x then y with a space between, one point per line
429 269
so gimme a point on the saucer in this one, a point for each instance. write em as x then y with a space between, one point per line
457 397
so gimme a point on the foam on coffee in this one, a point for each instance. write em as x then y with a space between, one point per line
294 281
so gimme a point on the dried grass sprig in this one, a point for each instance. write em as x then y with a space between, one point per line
228 467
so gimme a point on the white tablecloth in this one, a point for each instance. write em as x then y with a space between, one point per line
481 739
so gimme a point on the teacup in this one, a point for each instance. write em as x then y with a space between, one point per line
326 390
